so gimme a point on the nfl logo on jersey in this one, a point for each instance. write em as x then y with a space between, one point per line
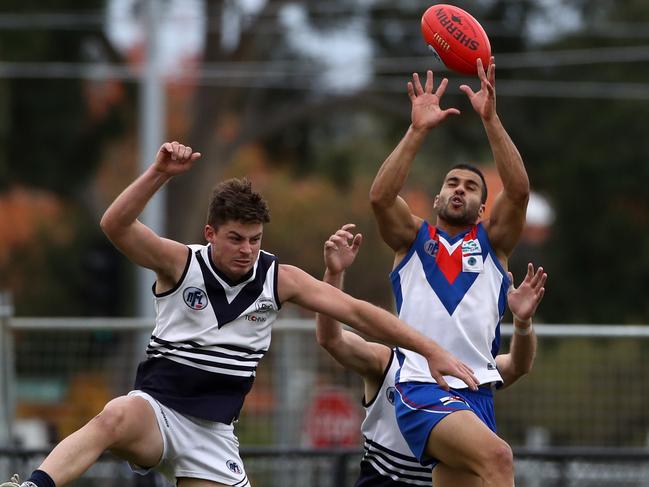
195 298
430 247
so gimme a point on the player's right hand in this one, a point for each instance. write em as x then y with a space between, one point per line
441 363
426 112
175 158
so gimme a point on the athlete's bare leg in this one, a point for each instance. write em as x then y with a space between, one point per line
127 426
463 442
445 476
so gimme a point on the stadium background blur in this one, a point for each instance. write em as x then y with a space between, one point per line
307 99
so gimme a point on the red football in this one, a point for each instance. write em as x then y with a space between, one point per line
456 37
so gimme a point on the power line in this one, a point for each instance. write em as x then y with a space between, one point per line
301 68
267 24
307 81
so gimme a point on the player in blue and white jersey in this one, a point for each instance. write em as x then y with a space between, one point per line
388 461
215 305
450 283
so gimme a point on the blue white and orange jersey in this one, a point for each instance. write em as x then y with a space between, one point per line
453 290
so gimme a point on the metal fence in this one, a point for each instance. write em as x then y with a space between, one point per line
578 419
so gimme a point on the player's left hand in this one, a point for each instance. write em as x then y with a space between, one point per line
341 248
484 101
524 299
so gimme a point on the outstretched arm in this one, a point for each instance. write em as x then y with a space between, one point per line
297 286
350 350
397 224
508 212
135 240
522 302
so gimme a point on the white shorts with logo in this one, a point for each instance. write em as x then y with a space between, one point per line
195 448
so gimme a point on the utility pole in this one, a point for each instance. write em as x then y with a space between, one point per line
7 370
152 111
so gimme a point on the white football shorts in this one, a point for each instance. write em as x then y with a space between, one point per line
195 448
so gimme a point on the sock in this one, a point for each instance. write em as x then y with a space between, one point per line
39 478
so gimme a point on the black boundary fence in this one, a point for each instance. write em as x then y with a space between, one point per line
306 467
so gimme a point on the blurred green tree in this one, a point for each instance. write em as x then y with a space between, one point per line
50 143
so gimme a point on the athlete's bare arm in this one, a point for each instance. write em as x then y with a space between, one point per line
523 302
137 241
367 359
297 286
507 216
397 224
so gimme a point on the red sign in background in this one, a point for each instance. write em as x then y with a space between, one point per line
333 419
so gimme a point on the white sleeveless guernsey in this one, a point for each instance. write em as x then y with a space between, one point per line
453 290
210 334
392 462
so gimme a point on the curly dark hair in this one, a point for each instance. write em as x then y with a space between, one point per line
234 199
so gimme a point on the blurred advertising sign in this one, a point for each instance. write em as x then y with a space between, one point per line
332 419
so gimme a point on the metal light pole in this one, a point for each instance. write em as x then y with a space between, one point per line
152 112
7 371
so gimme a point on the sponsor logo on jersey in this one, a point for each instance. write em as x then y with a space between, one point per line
390 393
255 318
234 467
471 247
164 417
430 247
263 305
195 298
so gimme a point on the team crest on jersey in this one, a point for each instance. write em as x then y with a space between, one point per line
390 393
263 305
195 298
430 247
234 467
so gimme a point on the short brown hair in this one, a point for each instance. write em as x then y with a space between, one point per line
234 200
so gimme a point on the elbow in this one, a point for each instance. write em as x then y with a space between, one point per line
106 224
520 193
322 340
110 225
326 342
379 199
522 370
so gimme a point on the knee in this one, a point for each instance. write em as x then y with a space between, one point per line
499 461
112 422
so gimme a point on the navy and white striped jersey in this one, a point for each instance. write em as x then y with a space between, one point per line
388 461
209 336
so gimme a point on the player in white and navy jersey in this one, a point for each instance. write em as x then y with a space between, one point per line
388 460
450 282
215 305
